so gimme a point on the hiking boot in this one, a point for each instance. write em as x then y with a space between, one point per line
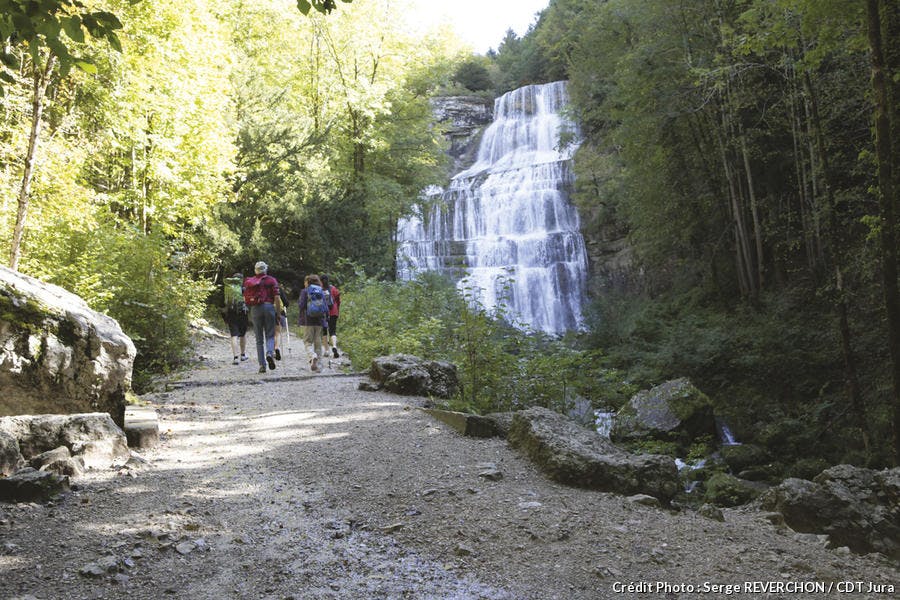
235 361
271 362
244 357
336 355
277 353
262 369
315 364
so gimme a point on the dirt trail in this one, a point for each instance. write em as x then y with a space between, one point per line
292 485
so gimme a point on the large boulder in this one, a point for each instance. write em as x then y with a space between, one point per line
57 355
673 412
93 438
573 455
409 375
858 508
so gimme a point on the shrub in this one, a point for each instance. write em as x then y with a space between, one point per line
501 368
129 276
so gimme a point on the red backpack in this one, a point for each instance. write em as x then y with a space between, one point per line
253 290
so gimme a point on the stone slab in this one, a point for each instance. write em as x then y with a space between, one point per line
467 424
141 427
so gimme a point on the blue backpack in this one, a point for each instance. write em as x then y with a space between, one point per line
316 307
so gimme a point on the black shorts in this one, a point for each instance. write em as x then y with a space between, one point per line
332 324
237 324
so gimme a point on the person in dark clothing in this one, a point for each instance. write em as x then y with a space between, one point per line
236 317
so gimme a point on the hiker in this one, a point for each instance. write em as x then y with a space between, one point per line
261 294
280 323
235 315
313 317
333 312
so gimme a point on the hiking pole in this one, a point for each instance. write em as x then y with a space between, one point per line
287 333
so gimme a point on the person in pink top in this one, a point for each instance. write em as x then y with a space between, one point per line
333 313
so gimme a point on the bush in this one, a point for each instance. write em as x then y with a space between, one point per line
130 277
501 368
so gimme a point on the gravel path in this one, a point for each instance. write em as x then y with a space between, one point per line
295 485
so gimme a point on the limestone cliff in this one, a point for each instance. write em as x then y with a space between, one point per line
465 118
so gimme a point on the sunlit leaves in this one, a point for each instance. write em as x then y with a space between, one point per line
59 25
323 6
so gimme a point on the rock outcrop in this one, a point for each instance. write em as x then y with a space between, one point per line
577 456
57 355
464 118
857 508
409 375
674 412
93 438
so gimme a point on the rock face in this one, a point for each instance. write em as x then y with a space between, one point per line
10 454
858 508
56 354
674 411
409 375
577 456
464 117
93 438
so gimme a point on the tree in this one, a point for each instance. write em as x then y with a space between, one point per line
473 76
883 29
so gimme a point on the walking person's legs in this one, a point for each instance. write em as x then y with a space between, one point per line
312 338
269 320
257 316
332 332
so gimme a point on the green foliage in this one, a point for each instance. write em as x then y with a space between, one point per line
473 75
330 154
726 490
520 62
323 6
34 26
501 368
130 277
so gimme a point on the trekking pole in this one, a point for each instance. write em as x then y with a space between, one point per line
287 333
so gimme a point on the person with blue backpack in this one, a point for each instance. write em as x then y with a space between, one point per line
313 317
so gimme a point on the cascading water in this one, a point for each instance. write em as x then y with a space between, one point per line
505 227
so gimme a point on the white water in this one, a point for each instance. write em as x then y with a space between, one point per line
726 437
505 228
603 422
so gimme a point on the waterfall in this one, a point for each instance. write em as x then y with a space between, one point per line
504 228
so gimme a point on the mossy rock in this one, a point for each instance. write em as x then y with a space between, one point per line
675 412
745 456
723 489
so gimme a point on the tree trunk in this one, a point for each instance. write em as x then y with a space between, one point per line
886 112
754 211
39 90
